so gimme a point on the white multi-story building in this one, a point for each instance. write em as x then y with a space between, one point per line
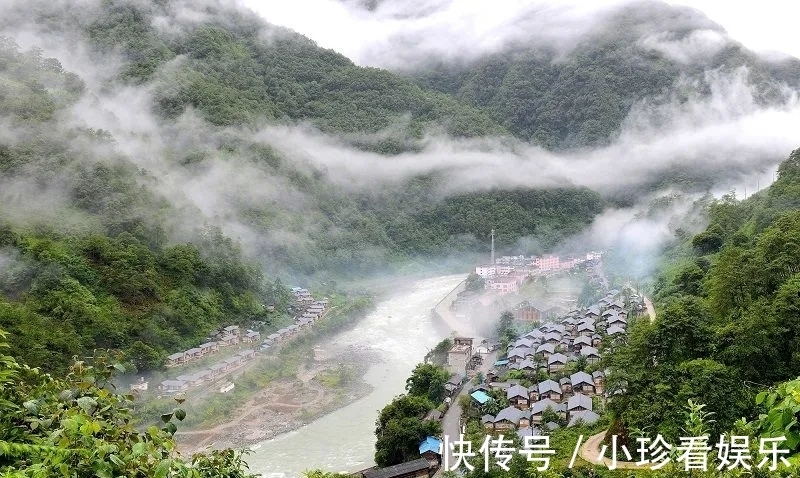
486 271
504 284
504 270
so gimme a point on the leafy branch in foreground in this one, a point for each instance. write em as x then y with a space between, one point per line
78 426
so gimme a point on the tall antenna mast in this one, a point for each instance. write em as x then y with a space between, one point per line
492 246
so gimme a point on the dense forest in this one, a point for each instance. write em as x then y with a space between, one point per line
128 245
95 242
582 98
727 301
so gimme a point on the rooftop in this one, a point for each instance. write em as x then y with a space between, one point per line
430 444
480 396
398 470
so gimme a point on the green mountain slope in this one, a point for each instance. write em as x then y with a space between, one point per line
727 315
235 68
581 98
99 251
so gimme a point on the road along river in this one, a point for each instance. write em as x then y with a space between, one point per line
402 331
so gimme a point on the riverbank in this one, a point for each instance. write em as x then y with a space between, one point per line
400 330
298 381
442 313
329 381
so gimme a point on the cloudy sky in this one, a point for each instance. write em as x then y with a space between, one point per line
398 29
763 25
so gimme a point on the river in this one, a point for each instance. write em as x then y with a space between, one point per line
402 331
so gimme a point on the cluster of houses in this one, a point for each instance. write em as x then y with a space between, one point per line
577 337
230 335
506 274
184 382
312 311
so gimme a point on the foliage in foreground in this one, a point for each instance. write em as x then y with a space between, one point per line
728 309
77 426
401 425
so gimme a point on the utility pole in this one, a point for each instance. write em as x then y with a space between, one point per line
492 246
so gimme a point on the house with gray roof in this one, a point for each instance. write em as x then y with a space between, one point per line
578 403
592 354
545 350
172 386
580 341
586 418
524 343
619 321
549 389
582 382
538 408
534 334
556 362
528 432
510 418
614 330
518 354
178 358
487 421
526 365
218 368
585 329
518 396
552 338
418 468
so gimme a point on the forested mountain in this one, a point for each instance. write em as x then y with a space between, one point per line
167 166
122 238
154 175
727 301
235 68
580 96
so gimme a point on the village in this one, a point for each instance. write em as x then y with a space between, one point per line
555 367
243 347
507 274
548 377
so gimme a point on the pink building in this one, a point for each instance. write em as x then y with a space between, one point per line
547 263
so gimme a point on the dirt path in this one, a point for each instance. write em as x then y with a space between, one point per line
651 311
590 451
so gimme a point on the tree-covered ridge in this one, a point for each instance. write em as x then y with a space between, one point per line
582 97
727 315
236 69
66 296
33 87
403 423
89 252
93 265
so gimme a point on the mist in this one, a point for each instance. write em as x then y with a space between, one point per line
727 132
406 34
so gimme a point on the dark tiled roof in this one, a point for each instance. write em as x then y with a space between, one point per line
399 469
